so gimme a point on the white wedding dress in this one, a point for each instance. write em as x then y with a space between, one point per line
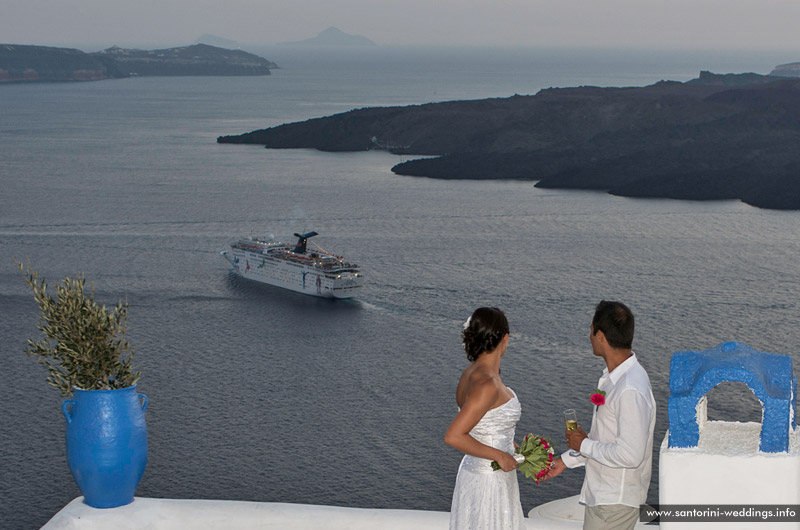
484 499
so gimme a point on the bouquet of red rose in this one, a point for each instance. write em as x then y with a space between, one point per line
535 457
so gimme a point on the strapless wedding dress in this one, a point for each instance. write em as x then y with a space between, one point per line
484 499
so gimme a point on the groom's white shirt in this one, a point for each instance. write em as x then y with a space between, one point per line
618 453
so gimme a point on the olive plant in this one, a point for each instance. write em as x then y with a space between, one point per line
84 342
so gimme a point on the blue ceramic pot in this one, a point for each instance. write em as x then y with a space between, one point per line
106 444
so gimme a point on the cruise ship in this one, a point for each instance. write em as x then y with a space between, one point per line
295 267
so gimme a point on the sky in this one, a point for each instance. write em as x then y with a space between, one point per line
657 24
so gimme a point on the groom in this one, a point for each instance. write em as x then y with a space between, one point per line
618 451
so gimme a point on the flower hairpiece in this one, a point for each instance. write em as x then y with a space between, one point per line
598 397
466 323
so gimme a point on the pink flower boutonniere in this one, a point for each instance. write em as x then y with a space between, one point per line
598 397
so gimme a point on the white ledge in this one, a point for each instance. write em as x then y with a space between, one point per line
173 514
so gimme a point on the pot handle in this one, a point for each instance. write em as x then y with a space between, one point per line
144 403
65 409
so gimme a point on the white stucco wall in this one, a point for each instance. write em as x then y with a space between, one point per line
173 514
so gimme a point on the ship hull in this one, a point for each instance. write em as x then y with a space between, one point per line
295 277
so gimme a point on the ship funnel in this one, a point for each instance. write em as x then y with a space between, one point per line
302 240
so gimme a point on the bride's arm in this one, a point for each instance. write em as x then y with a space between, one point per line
482 396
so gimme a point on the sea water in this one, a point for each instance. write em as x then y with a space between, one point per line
262 394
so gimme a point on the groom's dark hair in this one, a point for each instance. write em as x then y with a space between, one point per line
615 320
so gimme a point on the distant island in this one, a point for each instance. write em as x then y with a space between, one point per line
216 40
332 37
787 70
731 136
25 63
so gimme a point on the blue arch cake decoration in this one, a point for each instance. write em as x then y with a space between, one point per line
769 375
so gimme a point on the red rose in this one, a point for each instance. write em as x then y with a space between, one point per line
598 399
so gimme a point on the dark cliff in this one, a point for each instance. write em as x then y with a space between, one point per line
22 63
718 137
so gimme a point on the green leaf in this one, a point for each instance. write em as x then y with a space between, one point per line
84 342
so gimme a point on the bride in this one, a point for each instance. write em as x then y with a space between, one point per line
484 499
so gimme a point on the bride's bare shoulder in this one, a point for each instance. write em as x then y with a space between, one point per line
476 384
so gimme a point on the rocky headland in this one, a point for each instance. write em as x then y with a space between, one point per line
197 59
25 63
732 136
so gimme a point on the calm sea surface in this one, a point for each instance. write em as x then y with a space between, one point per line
266 395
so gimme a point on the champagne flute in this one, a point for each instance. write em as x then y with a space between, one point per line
571 419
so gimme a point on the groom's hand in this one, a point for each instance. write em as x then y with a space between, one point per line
575 438
555 470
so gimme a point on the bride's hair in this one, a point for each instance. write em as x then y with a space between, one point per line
487 327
